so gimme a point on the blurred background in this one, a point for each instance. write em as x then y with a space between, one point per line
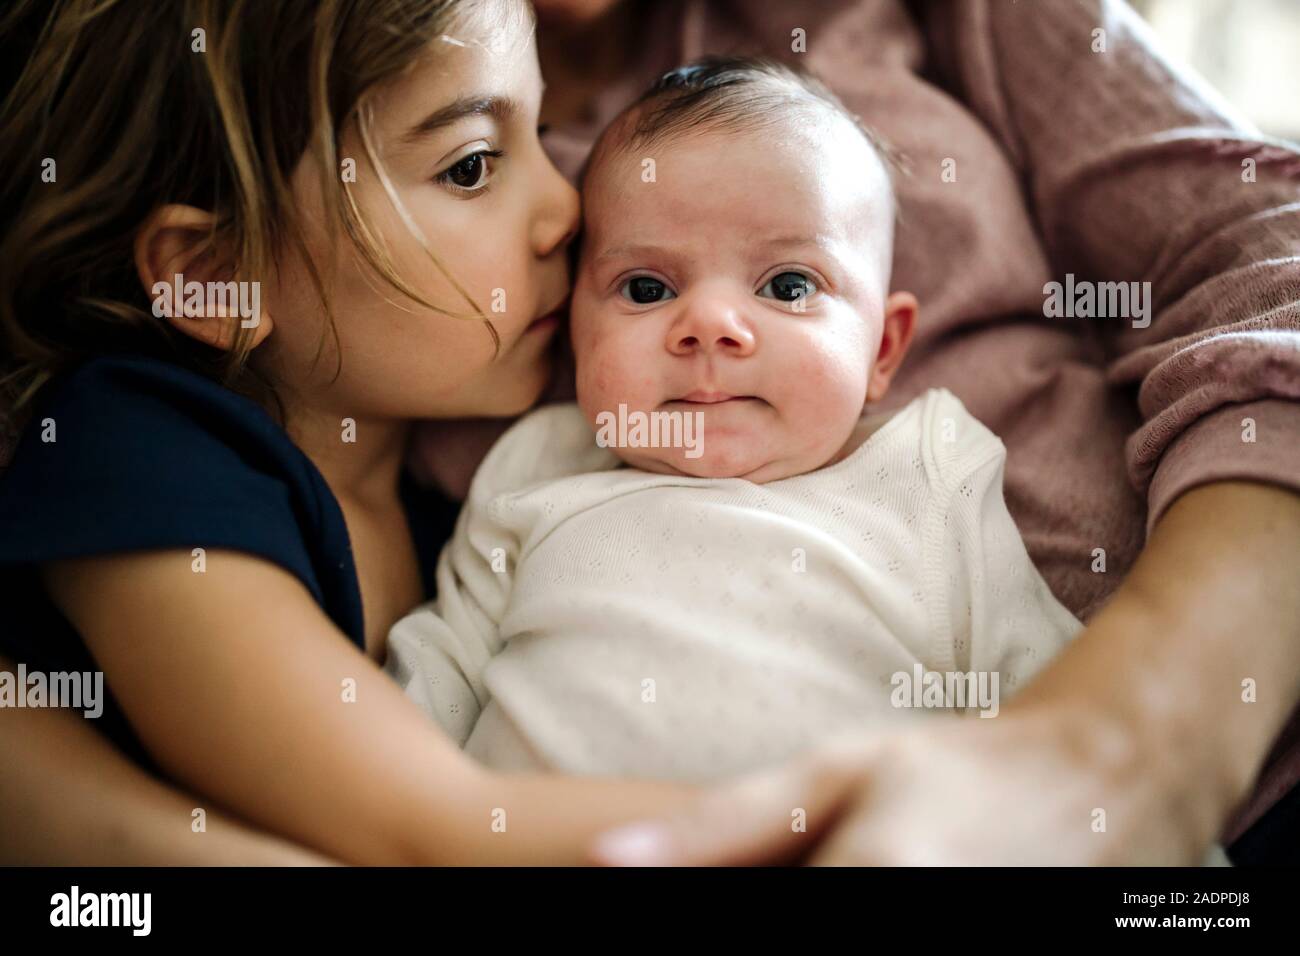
1249 50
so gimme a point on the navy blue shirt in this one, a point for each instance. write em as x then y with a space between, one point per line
146 455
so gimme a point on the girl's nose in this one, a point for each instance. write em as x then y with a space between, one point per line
557 219
710 324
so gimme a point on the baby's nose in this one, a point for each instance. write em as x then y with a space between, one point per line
711 325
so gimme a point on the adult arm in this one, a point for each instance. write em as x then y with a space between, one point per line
245 693
1137 171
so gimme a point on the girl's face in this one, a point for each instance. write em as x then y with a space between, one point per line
456 139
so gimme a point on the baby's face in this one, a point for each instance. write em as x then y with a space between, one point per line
747 282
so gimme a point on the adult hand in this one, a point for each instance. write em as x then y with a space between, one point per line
1024 788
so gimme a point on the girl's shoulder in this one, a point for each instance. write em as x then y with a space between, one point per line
141 410
128 453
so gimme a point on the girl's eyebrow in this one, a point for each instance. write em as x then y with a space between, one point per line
498 107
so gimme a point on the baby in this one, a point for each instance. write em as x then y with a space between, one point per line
715 559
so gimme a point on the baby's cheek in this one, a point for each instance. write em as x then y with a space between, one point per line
833 387
598 380
624 369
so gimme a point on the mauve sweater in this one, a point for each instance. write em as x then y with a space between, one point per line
1111 166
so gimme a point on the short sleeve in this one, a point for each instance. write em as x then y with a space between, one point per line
130 453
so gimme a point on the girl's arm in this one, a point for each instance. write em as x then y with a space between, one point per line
242 690
69 798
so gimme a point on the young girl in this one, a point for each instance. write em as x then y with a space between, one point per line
207 500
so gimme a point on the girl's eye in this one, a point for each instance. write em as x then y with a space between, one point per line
645 289
788 286
471 173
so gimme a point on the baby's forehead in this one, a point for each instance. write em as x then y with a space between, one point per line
820 173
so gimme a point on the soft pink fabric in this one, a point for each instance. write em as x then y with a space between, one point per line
1115 166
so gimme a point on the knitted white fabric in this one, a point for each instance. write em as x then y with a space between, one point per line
595 618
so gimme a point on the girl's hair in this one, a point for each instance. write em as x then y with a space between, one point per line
123 106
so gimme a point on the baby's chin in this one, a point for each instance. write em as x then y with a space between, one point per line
722 460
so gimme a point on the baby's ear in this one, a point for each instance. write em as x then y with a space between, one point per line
900 322
176 241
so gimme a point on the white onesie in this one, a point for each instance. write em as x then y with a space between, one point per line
593 618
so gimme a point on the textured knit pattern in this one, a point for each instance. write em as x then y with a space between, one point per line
598 619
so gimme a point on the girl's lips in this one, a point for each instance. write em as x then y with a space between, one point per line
550 320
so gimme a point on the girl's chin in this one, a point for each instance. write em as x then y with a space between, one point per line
521 392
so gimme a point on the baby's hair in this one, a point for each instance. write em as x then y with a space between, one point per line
732 93
137 116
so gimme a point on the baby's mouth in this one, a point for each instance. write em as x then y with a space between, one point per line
704 397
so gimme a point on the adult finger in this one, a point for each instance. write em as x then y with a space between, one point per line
771 817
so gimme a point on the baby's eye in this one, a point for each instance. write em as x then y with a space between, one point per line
646 289
788 286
